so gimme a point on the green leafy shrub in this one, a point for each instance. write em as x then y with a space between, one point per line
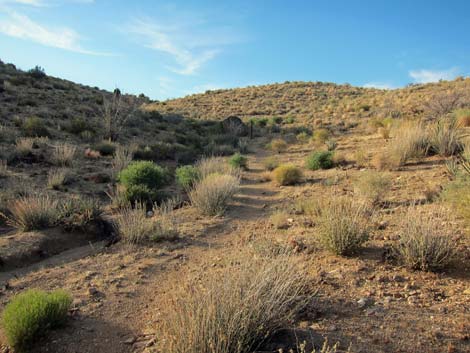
142 179
320 160
34 127
31 314
105 148
77 126
238 161
187 176
287 174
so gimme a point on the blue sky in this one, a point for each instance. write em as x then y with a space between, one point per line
169 49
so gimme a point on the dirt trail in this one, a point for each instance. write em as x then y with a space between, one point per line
115 290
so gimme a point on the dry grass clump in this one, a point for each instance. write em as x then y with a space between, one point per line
373 186
3 168
63 154
287 174
463 117
278 145
446 137
425 242
271 163
24 146
412 141
212 194
33 212
234 310
343 224
123 156
280 220
56 178
135 226
215 165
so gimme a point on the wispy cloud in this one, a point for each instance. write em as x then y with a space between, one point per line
427 76
22 27
379 85
186 45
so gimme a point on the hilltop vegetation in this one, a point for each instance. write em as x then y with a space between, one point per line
327 217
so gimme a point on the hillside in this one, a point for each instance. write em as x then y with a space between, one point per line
308 101
341 222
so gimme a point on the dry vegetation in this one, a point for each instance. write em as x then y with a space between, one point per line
172 233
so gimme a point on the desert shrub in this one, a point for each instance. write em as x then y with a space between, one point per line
279 219
463 117
302 137
142 179
373 186
319 160
187 176
320 136
234 310
24 146
243 146
457 194
425 242
277 119
135 227
287 174
238 161
3 168
212 194
77 126
63 154
270 163
412 141
446 137
342 225
56 178
34 127
278 145
37 72
77 213
105 148
213 149
215 165
30 314
123 156
331 144
33 212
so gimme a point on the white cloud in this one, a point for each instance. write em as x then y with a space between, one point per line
20 26
379 85
188 48
427 76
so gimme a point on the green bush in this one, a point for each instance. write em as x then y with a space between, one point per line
238 161
105 148
319 160
142 179
187 176
35 127
287 174
77 125
31 314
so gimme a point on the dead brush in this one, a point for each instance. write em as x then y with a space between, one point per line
234 310
33 212
425 242
63 154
